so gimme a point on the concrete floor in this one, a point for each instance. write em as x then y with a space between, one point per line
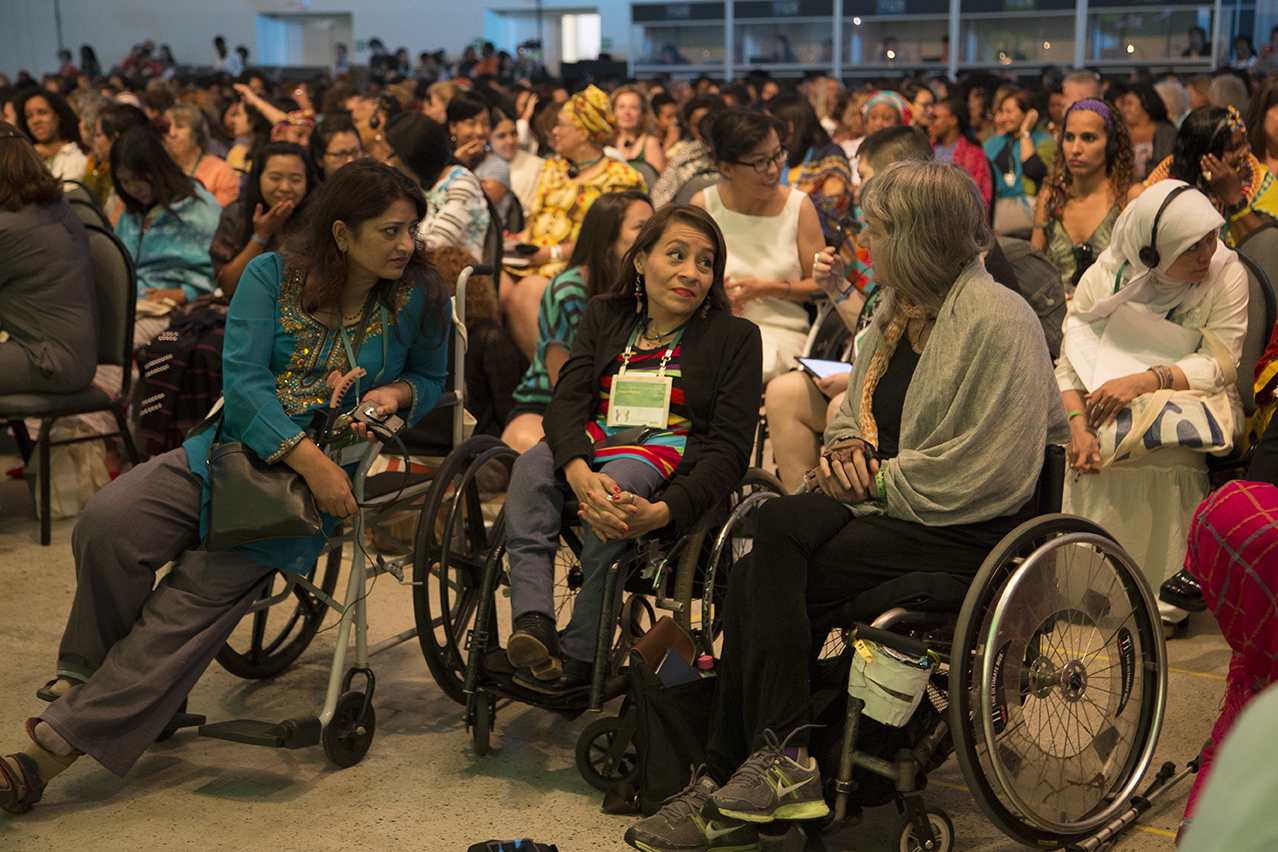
421 785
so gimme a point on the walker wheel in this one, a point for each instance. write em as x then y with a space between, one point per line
904 839
592 755
347 737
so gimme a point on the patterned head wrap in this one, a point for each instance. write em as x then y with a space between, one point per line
892 99
1093 105
591 113
296 118
1235 120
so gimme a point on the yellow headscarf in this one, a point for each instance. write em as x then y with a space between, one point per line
591 113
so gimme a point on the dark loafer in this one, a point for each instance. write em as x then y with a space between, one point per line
1183 591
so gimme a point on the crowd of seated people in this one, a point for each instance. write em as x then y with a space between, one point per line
799 195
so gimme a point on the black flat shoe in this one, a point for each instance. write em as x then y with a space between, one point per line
576 676
1183 590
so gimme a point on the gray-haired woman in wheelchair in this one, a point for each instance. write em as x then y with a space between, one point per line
932 459
358 290
660 393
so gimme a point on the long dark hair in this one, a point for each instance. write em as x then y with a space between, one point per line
357 192
117 119
808 132
598 233
1260 104
686 214
735 133
1120 163
141 152
23 176
1204 131
421 143
252 195
68 121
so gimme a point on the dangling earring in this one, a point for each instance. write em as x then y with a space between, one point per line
705 306
639 294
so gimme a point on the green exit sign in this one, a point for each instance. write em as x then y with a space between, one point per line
605 43
361 44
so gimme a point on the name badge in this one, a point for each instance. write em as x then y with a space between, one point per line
640 400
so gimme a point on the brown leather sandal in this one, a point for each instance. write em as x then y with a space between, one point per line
27 777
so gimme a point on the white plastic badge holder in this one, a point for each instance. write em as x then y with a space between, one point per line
641 399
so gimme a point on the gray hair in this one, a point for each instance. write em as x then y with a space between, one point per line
1084 77
193 117
88 105
1228 90
1175 97
934 225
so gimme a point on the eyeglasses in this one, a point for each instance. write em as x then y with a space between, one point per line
349 154
762 164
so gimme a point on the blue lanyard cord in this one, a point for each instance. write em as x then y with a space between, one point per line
350 353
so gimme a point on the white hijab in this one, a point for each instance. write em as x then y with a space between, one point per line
1187 219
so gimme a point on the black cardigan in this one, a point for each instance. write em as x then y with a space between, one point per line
722 367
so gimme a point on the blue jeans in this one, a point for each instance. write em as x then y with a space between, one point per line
534 512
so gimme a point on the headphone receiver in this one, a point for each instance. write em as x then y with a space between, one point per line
375 121
1149 254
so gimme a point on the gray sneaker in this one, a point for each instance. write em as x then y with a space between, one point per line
771 786
680 827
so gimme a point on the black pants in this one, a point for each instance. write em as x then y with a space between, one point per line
810 558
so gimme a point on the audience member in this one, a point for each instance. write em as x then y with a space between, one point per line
1226 90
133 649
1194 290
696 454
334 143
188 144
271 207
569 184
525 168
1211 153
372 115
772 232
457 211
1153 135
953 142
1080 85
1019 155
1086 189
1175 100
635 139
469 129
48 314
1262 124
53 127
814 165
607 232
937 473
692 158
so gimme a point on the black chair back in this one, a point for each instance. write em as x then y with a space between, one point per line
117 293
1262 313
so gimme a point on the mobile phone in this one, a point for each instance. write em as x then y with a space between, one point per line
526 249
818 368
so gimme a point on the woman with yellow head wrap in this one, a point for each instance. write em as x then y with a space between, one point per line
570 182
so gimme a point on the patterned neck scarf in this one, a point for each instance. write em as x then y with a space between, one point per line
905 311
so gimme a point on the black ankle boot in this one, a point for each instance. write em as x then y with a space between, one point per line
1183 591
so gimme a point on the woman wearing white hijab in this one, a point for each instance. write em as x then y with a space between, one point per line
1173 318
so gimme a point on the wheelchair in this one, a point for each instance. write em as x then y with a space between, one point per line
290 611
1048 683
462 565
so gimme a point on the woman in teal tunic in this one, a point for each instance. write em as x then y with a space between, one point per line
359 293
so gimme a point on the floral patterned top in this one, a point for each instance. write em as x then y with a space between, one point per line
275 360
561 204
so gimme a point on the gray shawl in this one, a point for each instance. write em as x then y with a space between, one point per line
979 412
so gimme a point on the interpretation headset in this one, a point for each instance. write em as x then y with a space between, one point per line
1149 254
383 103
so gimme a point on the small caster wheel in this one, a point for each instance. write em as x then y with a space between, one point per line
592 755
482 722
905 840
347 737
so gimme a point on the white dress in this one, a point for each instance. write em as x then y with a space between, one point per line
767 248
1148 504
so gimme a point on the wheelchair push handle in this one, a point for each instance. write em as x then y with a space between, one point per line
895 641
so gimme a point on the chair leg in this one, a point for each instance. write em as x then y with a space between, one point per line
23 439
45 521
125 435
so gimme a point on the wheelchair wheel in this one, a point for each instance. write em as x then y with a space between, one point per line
278 634
449 553
592 755
482 721
702 575
904 839
1058 681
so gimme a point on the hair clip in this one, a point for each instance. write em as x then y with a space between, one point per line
14 134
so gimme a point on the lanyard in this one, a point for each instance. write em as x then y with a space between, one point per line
350 352
661 369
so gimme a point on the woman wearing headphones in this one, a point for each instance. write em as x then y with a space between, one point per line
1169 283
1086 189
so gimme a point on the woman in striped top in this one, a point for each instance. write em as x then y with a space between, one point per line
634 465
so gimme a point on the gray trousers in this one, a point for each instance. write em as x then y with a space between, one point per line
534 512
142 649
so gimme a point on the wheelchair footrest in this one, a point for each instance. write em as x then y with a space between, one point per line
291 733
184 720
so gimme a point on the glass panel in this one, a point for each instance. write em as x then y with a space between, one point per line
778 43
674 46
1144 35
1045 40
895 42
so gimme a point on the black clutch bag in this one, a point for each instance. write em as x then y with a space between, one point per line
250 500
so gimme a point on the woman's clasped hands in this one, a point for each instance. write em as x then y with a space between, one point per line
845 472
613 514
